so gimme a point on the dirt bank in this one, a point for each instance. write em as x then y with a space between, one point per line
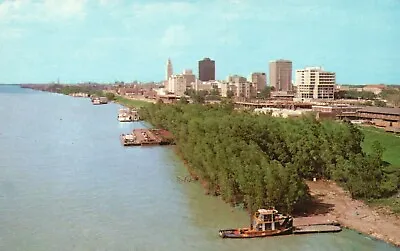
332 203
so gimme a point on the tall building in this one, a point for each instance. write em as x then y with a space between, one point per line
315 83
170 70
206 69
177 84
189 77
280 75
241 87
259 80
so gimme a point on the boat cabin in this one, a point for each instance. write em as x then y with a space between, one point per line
270 219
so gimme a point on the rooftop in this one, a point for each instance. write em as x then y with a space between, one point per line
267 211
381 110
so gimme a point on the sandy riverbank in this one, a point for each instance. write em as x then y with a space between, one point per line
332 203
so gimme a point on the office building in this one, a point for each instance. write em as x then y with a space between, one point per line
240 87
189 77
206 69
177 84
315 83
280 75
259 80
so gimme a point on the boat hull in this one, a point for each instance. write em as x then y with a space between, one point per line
241 233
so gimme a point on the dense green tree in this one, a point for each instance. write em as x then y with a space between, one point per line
110 96
266 92
260 161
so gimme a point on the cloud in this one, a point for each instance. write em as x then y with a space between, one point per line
175 36
163 9
11 33
27 11
65 8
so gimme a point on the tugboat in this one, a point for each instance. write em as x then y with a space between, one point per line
265 222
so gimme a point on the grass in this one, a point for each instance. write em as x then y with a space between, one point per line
131 102
391 143
393 203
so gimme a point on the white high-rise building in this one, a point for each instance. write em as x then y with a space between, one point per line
315 83
177 84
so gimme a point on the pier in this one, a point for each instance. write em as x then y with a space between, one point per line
317 228
143 137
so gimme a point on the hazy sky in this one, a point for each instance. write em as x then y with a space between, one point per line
108 40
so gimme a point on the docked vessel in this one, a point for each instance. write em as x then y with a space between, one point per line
128 115
265 222
99 100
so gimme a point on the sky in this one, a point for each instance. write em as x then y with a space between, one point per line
126 40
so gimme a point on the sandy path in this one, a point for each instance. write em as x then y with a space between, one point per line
332 203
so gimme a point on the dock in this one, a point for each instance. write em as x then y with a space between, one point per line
317 228
143 137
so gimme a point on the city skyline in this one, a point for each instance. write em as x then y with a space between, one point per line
107 41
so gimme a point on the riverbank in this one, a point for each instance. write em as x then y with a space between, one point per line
131 102
332 203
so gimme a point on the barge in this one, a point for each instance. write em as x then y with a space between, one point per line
265 222
144 137
270 222
128 115
99 100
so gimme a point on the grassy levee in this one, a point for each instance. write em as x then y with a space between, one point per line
391 144
131 103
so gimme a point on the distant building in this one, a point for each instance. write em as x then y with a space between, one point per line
280 75
376 89
386 117
282 95
170 70
206 69
168 73
315 83
189 77
208 86
241 87
259 80
283 113
177 84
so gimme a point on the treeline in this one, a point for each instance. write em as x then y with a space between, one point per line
261 161
392 95
91 90
353 94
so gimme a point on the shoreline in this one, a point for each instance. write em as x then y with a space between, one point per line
331 204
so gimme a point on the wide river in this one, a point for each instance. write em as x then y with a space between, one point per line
66 183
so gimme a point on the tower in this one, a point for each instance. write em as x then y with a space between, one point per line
170 70
206 69
280 75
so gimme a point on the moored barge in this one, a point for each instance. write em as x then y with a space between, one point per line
271 223
265 222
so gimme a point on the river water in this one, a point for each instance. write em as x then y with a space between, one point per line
66 183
